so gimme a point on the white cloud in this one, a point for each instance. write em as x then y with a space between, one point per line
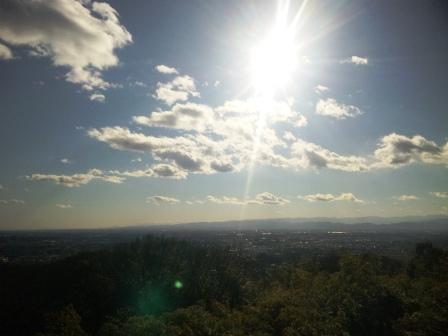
330 198
440 194
78 179
405 198
331 108
189 116
357 60
79 35
12 201
321 88
5 52
179 89
269 199
226 200
99 97
159 200
309 155
66 161
64 206
265 198
166 69
398 150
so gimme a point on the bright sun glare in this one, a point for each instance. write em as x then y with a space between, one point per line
274 59
273 62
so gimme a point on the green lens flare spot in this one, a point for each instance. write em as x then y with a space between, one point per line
178 284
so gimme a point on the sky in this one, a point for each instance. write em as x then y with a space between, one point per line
144 112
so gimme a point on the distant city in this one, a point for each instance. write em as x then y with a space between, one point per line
273 239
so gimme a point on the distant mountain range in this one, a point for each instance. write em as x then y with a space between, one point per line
360 224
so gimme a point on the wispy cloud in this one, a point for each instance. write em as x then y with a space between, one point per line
265 198
331 108
98 97
64 206
77 180
12 201
66 161
440 194
159 200
357 60
164 69
405 198
321 88
331 197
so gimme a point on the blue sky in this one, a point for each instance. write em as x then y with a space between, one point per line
118 113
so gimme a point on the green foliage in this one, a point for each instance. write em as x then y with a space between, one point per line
130 290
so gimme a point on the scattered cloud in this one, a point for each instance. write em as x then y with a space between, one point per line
64 206
405 198
79 35
331 197
331 108
164 69
309 155
321 88
397 150
189 116
66 161
5 52
265 198
440 194
226 200
179 89
12 201
357 60
269 199
98 97
78 179
159 200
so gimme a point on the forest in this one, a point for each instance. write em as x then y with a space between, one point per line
157 286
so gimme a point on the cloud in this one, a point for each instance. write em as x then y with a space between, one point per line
99 97
331 108
330 198
159 200
79 35
226 200
66 161
78 179
189 116
265 198
406 198
398 150
440 194
166 69
269 199
309 155
357 60
179 89
5 52
12 201
64 206
321 88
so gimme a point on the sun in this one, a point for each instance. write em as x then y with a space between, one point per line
273 62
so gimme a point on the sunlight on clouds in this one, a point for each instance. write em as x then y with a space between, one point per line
80 35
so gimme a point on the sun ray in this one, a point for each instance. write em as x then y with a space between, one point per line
272 66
